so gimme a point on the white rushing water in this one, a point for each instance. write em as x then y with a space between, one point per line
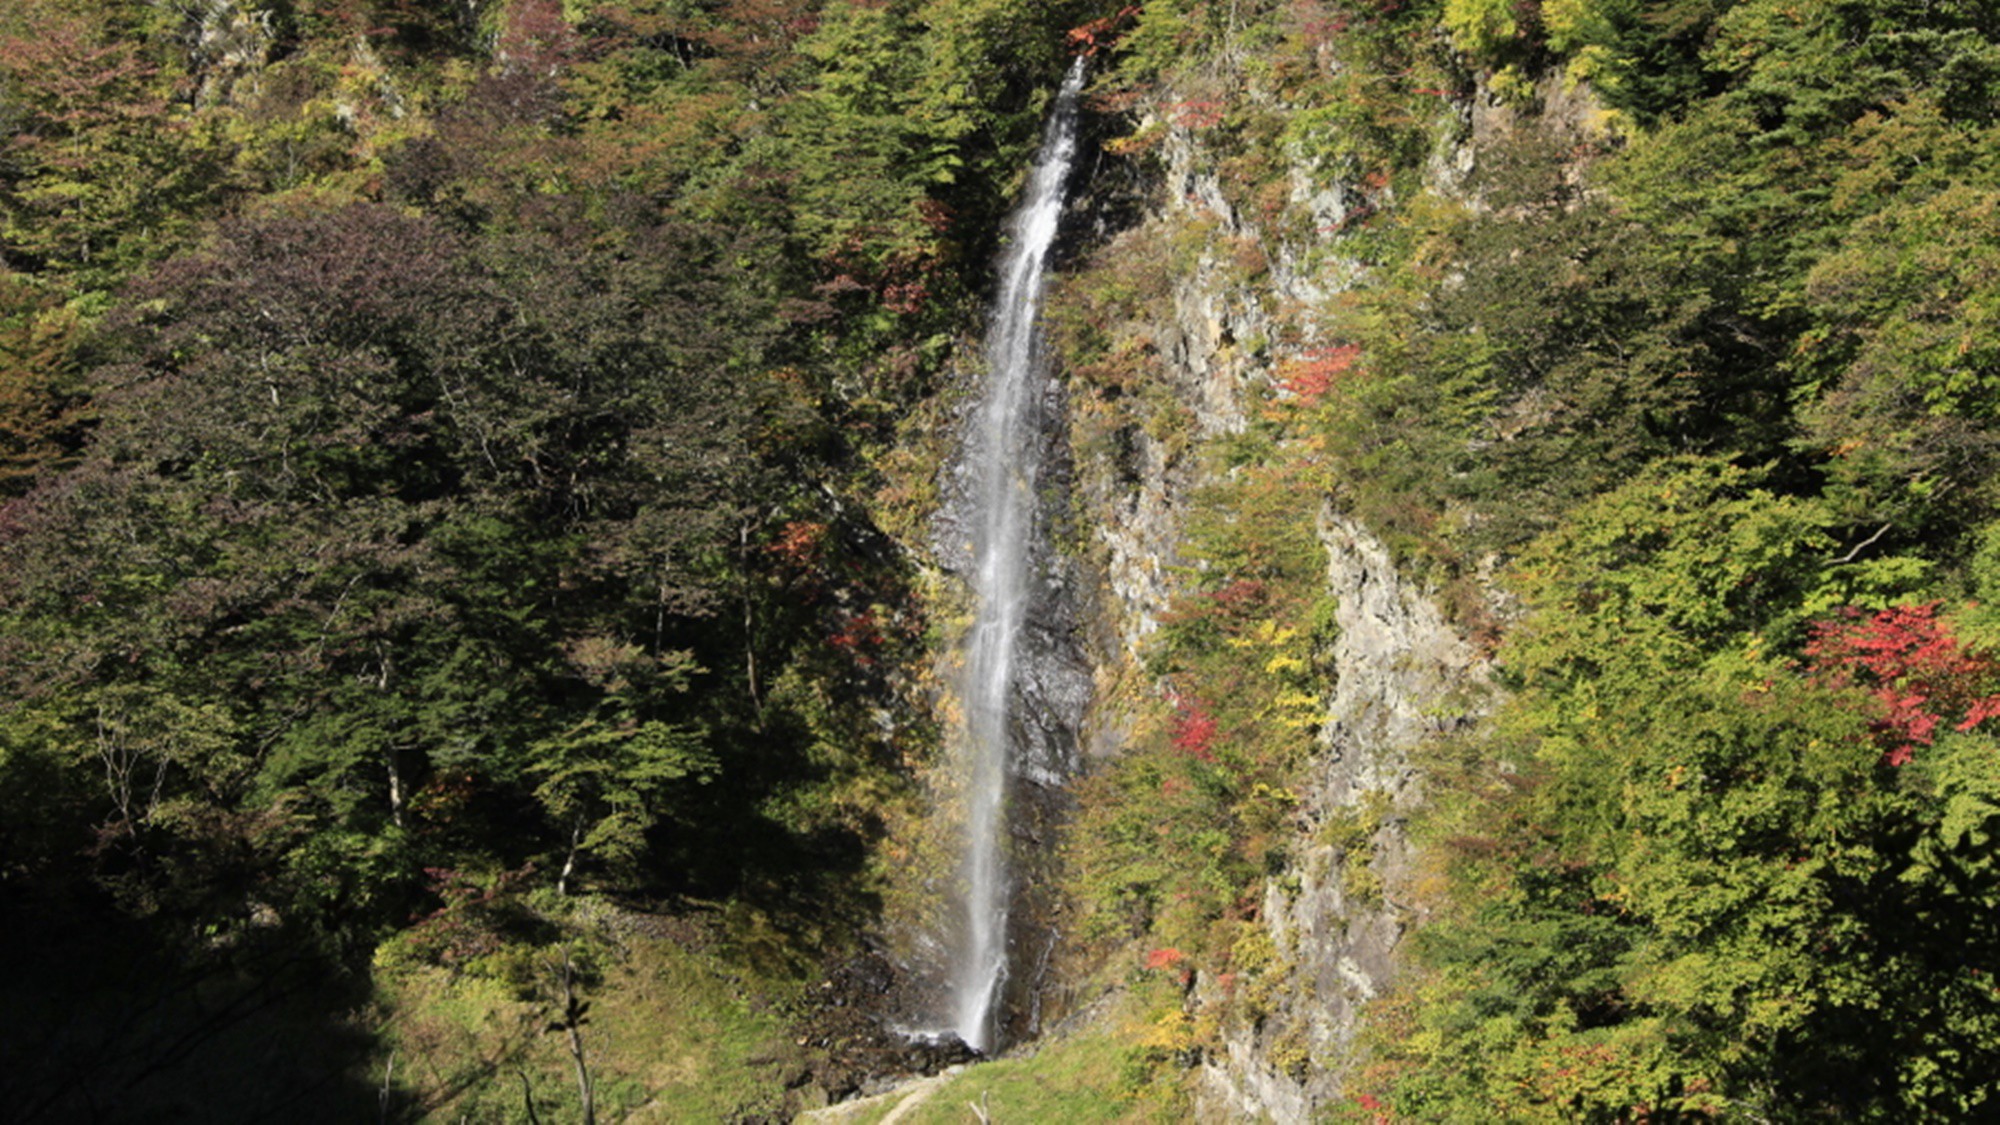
1003 453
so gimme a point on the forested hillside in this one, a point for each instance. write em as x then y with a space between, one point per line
439 441
473 630
1655 338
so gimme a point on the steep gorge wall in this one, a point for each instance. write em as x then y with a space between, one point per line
1219 298
1338 915
1399 672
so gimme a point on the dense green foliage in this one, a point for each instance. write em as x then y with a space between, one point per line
1729 389
432 439
1696 355
438 446
1704 880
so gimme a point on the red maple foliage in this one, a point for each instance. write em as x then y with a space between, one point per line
1315 373
1101 34
1193 730
856 633
799 544
1197 115
1913 665
1242 599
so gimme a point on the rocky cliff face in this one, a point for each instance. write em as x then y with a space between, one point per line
1208 334
1215 304
1338 915
1400 673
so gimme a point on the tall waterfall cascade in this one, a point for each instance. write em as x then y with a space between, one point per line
1003 455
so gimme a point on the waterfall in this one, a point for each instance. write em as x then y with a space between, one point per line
1004 446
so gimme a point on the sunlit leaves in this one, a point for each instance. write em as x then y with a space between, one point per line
1911 356
101 170
40 400
607 780
1651 576
1914 667
1710 836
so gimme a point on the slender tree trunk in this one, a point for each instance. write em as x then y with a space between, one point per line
749 625
569 861
393 754
573 1012
395 786
388 1093
528 1097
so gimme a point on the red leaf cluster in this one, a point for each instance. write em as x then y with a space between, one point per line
1197 115
856 633
1318 26
1242 598
1312 376
1193 730
536 39
1915 668
900 279
906 298
1101 34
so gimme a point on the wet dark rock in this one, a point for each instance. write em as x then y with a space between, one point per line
848 1021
